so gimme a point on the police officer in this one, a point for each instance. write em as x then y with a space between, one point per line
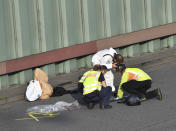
136 81
95 89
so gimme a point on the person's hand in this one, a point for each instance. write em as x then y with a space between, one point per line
114 65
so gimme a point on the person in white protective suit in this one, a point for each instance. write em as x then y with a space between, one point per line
110 58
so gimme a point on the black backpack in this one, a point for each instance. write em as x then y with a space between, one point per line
59 91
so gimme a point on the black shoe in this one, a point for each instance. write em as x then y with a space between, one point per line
159 94
90 105
105 106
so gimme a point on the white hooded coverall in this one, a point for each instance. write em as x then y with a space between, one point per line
105 57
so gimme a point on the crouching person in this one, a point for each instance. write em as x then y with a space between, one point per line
95 89
136 82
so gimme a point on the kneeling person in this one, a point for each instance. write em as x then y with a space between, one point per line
136 81
95 89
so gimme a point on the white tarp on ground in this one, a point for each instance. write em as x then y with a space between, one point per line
58 106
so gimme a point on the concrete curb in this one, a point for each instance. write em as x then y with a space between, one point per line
69 81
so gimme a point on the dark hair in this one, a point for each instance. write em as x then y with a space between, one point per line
118 58
103 67
96 67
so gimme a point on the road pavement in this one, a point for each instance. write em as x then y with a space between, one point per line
151 115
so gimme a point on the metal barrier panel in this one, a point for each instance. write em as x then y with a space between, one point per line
135 20
33 26
6 38
114 14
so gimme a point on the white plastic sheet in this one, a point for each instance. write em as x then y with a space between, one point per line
58 106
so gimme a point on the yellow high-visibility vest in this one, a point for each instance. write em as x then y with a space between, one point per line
90 82
132 74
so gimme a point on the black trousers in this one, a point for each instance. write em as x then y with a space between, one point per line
102 96
139 88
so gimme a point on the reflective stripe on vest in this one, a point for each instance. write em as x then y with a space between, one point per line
83 77
91 82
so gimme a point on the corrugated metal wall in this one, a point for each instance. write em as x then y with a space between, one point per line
34 26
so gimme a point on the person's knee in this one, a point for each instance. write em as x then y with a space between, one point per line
108 89
147 84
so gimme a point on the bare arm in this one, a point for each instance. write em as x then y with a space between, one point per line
104 84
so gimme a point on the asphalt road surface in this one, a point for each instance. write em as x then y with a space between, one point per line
151 115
